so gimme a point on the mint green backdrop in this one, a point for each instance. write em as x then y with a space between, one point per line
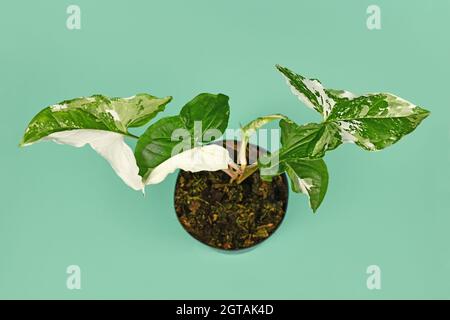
63 206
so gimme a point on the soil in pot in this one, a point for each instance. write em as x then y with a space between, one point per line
226 215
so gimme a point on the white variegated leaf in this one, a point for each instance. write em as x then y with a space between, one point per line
373 121
340 94
110 145
205 158
102 123
309 91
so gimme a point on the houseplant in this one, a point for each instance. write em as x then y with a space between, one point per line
215 185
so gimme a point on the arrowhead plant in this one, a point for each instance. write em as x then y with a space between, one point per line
185 141
372 121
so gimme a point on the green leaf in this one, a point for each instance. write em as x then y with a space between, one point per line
138 110
307 141
372 121
212 110
201 120
298 142
299 156
156 144
309 177
96 113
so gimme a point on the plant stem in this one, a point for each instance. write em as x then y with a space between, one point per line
230 173
130 135
242 158
249 170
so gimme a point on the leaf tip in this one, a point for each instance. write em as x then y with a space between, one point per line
23 143
223 96
280 68
426 112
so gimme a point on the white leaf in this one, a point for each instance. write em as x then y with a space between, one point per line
206 158
110 145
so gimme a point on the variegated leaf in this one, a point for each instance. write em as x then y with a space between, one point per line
100 122
375 121
206 158
309 91
110 145
95 113
299 156
372 121
249 129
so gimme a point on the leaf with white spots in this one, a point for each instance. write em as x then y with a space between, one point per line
372 121
376 121
299 157
309 91
102 123
338 95
97 113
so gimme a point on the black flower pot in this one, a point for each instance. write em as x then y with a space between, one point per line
227 215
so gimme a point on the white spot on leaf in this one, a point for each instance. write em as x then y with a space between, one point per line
299 95
347 130
58 107
347 137
316 88
305 185
114 114
347 95
326 102
369 145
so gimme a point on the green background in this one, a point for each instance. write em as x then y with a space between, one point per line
62 206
